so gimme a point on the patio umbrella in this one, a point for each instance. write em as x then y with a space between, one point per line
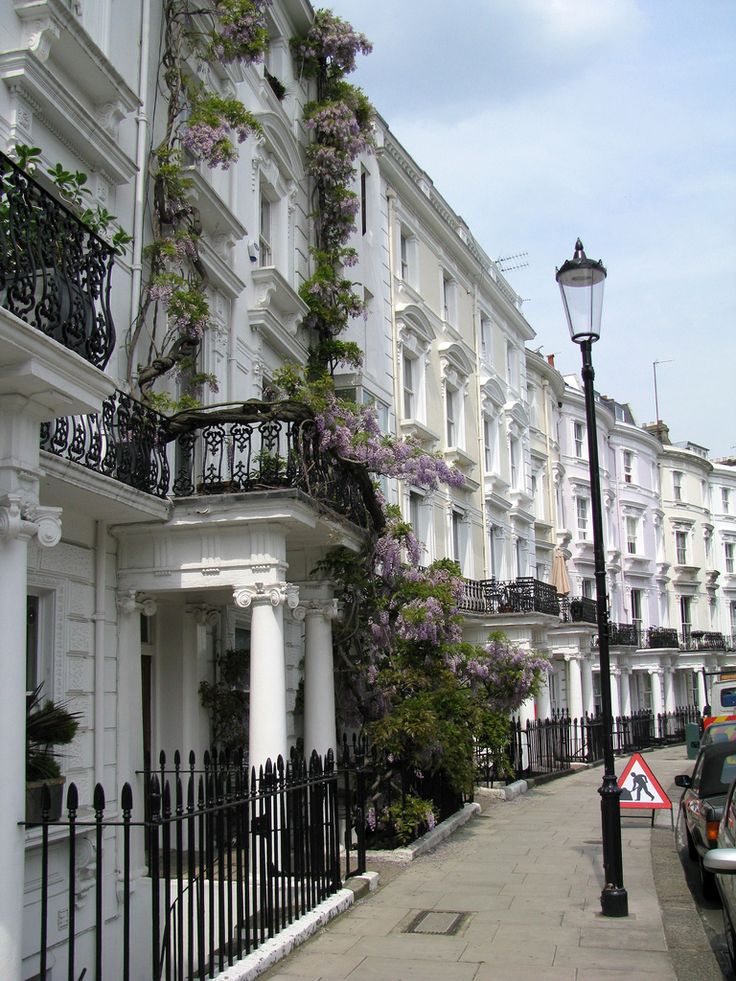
559 577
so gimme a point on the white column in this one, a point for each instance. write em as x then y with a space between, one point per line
670 701
657 705
267 729
544 702
19 522
587 673
702 697
319 677
574 688
625 692
615 700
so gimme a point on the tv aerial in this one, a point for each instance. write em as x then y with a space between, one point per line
509 262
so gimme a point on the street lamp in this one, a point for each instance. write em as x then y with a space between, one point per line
581 284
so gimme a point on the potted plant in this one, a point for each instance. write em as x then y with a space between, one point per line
48 724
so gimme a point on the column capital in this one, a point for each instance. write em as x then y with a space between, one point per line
328 609
129 601
276 593
21 519
202 614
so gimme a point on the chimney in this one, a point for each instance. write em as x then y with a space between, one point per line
551 360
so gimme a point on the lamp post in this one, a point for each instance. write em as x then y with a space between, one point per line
581 284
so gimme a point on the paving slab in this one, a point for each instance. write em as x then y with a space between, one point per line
527 873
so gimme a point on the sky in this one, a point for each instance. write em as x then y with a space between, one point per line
614 120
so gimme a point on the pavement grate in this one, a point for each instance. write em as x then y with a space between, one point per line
438 922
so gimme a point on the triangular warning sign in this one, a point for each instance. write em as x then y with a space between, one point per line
640 788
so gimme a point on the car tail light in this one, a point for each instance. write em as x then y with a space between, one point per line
711 831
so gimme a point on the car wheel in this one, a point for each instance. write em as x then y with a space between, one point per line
691 849
707 882
730 939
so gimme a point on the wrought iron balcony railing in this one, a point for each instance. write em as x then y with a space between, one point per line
524 595
660 637
54 271
263 446
578 609
624 635
706 640
127 441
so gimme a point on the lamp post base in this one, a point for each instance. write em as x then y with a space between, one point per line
614 901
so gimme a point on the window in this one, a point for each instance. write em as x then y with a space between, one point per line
681 547
587 587
514 461
458 543
485 339
493 557
632 534
677 485
489 444
452 398
521 551
449 299
636 607
582 514
628 466
577 433
686 617
363 202
407 252
265 250
32 646
39 639
511 365
409 374
726 500
381 409
730 550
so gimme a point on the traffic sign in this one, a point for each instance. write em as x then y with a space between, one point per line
640 789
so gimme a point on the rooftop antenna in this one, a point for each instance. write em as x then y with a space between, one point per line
656 398
503 262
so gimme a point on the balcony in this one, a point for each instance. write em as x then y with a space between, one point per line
578 609
524 595
624 635
54 271
230 449
662 637
706 640
127 441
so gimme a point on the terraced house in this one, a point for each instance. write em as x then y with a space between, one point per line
159 508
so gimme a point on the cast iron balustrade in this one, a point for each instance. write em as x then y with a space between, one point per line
54 271
127 441
624 635
524 595
578 609
661 637
253 446
706 640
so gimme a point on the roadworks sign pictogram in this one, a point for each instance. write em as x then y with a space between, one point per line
640 788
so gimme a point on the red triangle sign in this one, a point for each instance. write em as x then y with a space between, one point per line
640 788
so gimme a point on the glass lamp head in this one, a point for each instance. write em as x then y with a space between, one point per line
581 284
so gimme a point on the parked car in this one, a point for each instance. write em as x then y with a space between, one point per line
718 732
702 804
721 862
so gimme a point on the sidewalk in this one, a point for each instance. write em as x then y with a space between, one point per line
515 894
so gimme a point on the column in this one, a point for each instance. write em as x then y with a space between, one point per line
587 678
670 701
626 691
19 522
657 704
267 728
615 699
702 697
319 678
574 688
544 702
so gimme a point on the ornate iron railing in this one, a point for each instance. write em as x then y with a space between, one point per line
127 441
578 609
54 271
660 637
524 595
706 640
624 634
264 446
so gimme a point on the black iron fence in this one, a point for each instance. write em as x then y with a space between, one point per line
523 595
126 441
624 635
544 746
232 859
54 271
578 609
